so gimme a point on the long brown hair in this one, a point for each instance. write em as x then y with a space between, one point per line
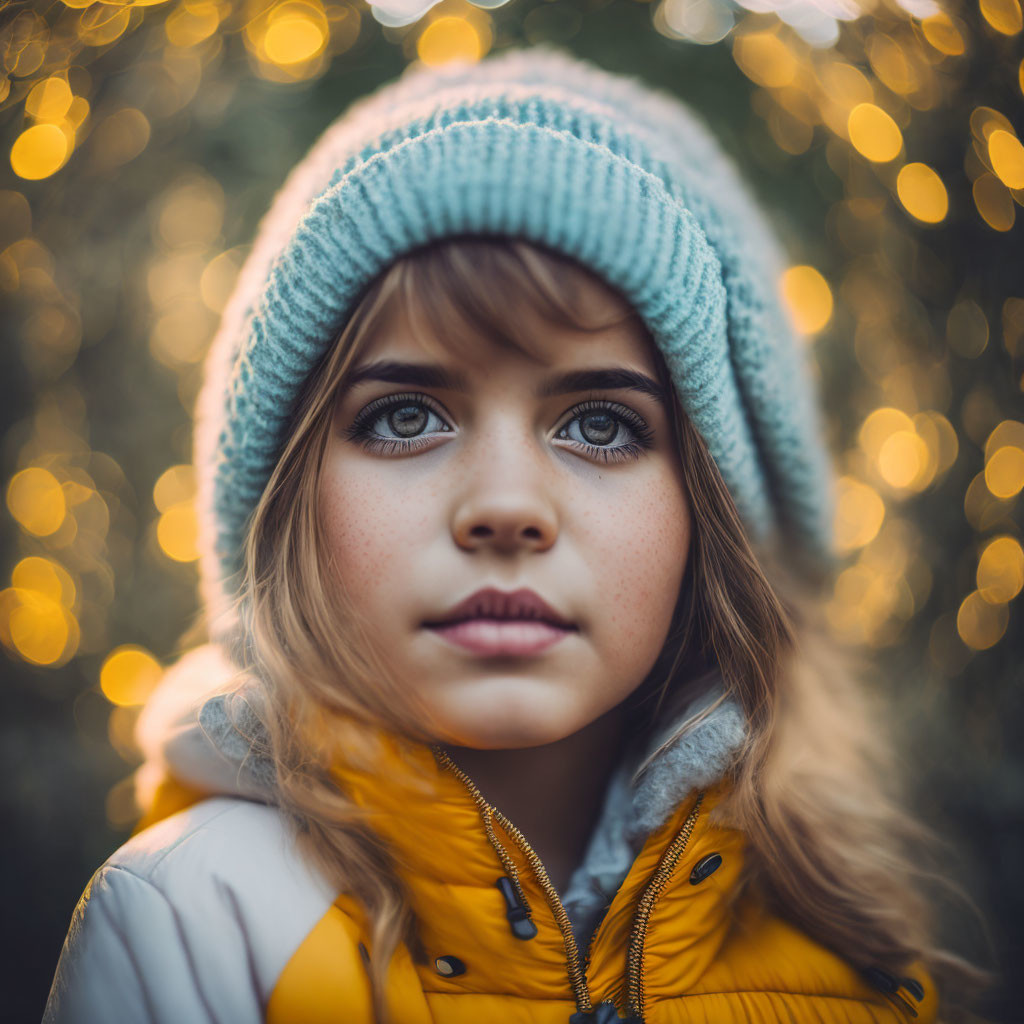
816 789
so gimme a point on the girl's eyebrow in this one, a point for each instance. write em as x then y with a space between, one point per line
610 378
431 375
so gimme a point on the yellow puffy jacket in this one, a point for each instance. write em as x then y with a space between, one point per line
679 942
673 946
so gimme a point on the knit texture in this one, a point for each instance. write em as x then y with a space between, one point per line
537 145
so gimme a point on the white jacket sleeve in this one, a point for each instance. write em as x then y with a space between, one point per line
190 922
127 959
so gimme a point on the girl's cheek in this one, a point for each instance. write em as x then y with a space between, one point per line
367 528
642 544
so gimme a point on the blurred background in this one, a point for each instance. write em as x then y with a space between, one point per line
143 139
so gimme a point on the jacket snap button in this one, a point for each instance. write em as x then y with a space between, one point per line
890 983
705 866
915 987
880 979
449 966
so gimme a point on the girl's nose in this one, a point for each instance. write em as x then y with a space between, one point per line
505 509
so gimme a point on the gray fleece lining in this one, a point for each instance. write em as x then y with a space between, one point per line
239 734
632 810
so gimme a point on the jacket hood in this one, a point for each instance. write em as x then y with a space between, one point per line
193 730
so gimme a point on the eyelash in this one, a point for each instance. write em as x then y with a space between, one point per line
361 429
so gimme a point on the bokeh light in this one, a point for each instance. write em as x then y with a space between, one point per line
765 58
450 38
39 151
1007 156
1003 15
36 500
859 514
45 577
980 623
1000 573
943 34
129 675
874 133
294 34
1004 471
177 532
922 193
994 202
808 297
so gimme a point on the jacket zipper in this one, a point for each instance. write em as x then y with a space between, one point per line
577 979
577 975
487 813
574 968
638 939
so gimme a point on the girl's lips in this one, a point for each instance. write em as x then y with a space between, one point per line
494 637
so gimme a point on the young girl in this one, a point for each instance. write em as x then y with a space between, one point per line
515 706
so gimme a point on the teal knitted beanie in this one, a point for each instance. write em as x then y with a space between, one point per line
541 146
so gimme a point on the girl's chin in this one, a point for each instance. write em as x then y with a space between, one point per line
501 725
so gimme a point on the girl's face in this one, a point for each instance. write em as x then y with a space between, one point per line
556 475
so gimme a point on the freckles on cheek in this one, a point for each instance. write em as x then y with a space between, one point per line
362 524
643 546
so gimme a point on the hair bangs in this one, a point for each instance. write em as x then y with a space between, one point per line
456 290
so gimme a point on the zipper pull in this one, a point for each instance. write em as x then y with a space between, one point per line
518 916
